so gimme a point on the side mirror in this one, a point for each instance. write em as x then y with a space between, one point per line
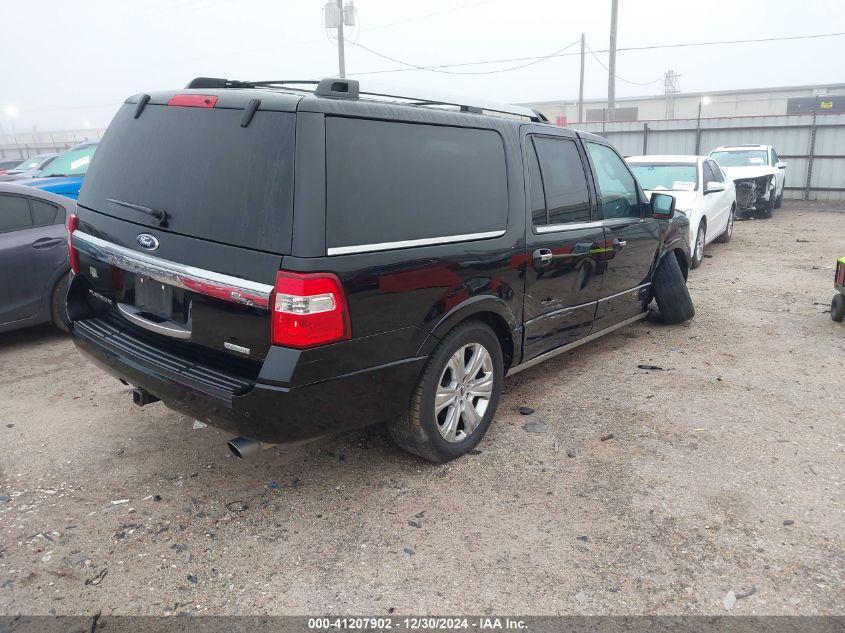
662 206
780 164
713 187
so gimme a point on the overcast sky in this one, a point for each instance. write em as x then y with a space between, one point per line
68 64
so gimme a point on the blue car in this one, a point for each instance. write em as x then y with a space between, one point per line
64 175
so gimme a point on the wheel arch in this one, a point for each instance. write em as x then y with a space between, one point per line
492 311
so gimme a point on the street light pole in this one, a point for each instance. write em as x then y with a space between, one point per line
611 66
581 86
341 53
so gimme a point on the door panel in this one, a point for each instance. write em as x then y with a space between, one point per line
561 293
28 258
631 237
563 274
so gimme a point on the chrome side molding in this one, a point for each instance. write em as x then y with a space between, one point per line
565 348
426 241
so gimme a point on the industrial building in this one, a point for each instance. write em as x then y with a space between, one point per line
828 99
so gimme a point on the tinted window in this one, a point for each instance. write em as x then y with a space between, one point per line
215 179
709 176
718 176
389 182
564 181
43 213
14 213
619 197
536 198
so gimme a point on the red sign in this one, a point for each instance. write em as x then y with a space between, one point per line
560 121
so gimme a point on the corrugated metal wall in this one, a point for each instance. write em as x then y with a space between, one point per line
814 147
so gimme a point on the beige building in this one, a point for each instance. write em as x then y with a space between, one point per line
725 103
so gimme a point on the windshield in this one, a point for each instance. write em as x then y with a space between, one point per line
741 157
73 162
31 163
666 176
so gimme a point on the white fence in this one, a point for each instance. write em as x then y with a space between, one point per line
813 145
30 144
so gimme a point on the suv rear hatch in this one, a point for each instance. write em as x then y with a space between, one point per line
184 217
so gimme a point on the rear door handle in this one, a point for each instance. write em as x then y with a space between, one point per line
542 256
48 242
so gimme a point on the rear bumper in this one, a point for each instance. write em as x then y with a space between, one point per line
254 409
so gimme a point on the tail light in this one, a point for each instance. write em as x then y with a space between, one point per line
193 101
72 223
309 309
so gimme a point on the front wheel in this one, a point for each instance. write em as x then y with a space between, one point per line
766 209
456 396
837 307
698 247
671 293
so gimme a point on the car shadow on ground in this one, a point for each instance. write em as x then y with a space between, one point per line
15 339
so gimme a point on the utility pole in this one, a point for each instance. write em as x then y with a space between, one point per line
611 66
581 86
336 15
341 53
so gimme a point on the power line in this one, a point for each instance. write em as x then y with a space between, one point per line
622 79
428 15
440 67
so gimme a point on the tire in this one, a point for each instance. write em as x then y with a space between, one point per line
766 210
58 304
671 293
726 235
698 247
837 308
440 436
779 201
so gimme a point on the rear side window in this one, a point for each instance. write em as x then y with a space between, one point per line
14 214
43 213
564 180
392 182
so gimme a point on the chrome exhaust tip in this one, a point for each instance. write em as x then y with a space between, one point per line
242 447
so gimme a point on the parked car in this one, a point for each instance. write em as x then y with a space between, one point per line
9 163
701 192
34 263
837 305
758 173
28 168
286 265
64 174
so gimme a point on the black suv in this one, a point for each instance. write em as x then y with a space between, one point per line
286 262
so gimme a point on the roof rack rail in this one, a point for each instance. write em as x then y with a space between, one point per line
351 89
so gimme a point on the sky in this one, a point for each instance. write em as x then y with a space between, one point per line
67 65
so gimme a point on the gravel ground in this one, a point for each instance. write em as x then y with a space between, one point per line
724 474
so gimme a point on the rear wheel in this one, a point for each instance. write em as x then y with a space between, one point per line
698 247
456 397
837 308
58 304
671 293
725 237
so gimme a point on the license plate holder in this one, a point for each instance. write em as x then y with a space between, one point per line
154 297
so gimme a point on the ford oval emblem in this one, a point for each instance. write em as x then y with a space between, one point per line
147 241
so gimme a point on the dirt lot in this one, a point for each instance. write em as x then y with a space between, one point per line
724 474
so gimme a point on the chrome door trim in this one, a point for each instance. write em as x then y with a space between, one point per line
571 226
624 292
167 328
426 241
206 282
565 348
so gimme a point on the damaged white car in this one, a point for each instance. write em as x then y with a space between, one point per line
758 174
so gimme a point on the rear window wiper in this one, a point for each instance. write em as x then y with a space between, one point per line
159 215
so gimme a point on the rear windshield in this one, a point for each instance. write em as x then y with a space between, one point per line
213 178
666 176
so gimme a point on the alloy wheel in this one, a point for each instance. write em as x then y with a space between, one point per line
463 392
699 244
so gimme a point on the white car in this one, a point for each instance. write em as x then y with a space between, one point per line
702 193
758 174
